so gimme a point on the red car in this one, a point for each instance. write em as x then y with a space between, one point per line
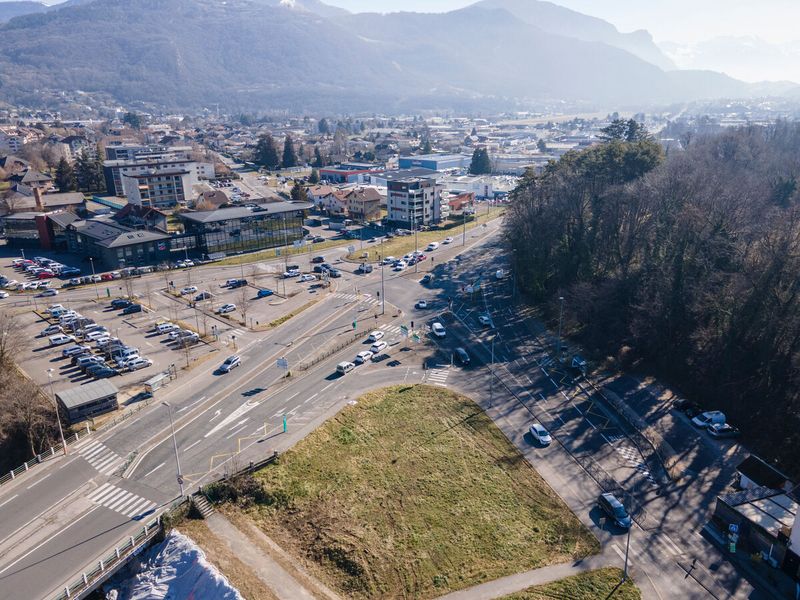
106 277
45 275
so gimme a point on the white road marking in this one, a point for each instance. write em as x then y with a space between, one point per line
242 410
9 500
191 445
41 479
191 405
154 469
619 552
227 437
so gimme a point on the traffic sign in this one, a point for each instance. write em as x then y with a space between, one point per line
351 249
403 330
733 528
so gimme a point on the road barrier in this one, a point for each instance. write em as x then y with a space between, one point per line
304 366
43 457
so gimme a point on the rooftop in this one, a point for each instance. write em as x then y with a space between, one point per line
240 212
84 394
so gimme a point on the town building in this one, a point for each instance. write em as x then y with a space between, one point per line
113 170
348 172
86 401
158 188
364 204
115 246
436 162
414 201
242 229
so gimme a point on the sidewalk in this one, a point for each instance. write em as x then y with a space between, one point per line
282 583
522 581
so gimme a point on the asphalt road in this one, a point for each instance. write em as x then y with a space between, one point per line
63 516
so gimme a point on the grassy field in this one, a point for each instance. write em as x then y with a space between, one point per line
594 585
413 492
399 246
285 251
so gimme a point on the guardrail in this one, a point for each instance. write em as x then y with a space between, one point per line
111 562
43 457
304 366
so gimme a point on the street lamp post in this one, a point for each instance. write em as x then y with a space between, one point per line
491 385
96 292
464 218
58 417
179 477
560 319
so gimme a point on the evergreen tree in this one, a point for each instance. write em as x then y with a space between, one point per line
426 146
65 177
289 156
541 145
481 163
323 126
299 193
83 172
318 162
133 120
314 177
474 132
266 153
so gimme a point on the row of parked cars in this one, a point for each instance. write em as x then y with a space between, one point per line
713 421
107 357
40 267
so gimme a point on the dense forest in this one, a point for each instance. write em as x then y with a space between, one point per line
686 265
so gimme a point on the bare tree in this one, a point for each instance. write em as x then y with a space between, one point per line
244 303
12 339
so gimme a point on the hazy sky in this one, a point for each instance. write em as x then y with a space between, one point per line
672 20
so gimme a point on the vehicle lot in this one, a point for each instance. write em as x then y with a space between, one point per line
135 330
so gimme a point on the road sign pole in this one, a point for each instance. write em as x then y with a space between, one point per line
284 423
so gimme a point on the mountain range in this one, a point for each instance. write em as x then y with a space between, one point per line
307 55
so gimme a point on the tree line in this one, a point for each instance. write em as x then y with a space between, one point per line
686 265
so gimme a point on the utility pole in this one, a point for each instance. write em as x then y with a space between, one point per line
175 446
560 319
464 218
627 548
96 293
491 370
58 417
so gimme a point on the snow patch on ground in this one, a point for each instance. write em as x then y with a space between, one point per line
175 569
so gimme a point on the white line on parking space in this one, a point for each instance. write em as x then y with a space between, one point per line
9 500
150 472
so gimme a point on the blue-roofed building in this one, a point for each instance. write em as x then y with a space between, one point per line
436 162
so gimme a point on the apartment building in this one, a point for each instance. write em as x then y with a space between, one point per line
158 188
414 201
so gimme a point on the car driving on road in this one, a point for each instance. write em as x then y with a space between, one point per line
375 335
230 363
226 308
615 510
363 357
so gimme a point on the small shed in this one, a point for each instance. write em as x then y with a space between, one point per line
754 472
86 401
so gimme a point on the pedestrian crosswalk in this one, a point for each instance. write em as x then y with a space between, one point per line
438 376
391 328
100 457
634 459
236 332
121 501
363 298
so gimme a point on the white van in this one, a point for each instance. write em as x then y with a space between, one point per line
438 330
125 353
344 367
60 339
706 419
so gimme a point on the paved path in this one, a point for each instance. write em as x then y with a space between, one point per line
522 581
274 576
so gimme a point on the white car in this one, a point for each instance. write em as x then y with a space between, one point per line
422 304
4 294
189 290
166 327
375 335
484 320
291 273
447 240
43 294
363 357
55 307
93 336
400 266
540 434
388 260
377 347
226 308
230 363
138 363
308 277
178 333
432 246
60 339
51 330
438 330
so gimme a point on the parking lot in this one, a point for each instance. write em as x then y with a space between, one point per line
136 331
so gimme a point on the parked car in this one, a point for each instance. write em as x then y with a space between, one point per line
133 308
690 408
708 418
226 308
344 367
615 510
88 360
485 320
237 283
438 330
105 373
177 333
318 259
264 293
540 434
378 346
188 290
203 296
426 279
166 327
290 274
307 277
363 357
51 330
375 335
447 240
72 350
230 363
399 266
60 339
724 430
335 273
422 304
120 303
138 363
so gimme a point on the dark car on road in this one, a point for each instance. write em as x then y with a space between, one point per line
462 356
318 259
335 273
614 509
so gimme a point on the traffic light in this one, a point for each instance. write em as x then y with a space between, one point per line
379 294
412 324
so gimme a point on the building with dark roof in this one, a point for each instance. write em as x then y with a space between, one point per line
243 229
436 162
88 400
116 246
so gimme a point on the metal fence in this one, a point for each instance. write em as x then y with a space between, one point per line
304 366
107 565
43 457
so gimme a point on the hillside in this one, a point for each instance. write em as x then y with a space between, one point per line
9 10
303 54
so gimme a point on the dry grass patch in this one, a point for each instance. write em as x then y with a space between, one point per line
413 492
594 585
